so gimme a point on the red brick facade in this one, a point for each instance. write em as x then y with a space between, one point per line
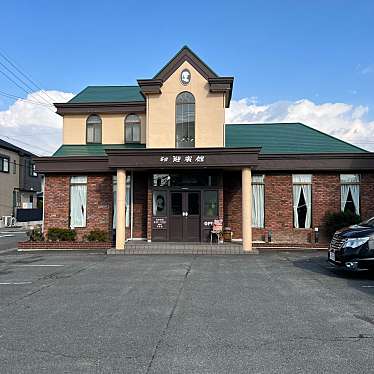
99 203
278 204
367 195
140 205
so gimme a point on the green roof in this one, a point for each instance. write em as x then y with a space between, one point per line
92 149
105 94
275 138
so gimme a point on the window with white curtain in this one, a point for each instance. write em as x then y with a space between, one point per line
78 201
350 193
302 200
128 200
132 128
258 199
93 129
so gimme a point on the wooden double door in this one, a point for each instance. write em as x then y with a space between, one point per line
184 216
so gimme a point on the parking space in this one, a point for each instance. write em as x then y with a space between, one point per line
282 312
9 239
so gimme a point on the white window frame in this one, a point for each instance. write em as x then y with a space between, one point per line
132 121
302 182
5 161
350 183
128 201
78 201
258 201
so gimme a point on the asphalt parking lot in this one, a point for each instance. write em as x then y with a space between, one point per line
282 312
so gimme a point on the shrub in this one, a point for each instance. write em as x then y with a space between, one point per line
64 235
338 220
36 235
97 236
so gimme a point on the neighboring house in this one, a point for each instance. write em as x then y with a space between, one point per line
19 182
157 162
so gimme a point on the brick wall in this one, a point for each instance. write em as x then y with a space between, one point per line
56 201
140 205
367 195
232 202
149 214
279 205
99 203
325 198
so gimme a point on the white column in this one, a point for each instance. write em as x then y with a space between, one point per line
247 209
121 209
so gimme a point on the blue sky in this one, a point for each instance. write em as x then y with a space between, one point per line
277 51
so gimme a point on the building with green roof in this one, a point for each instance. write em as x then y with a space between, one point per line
156 162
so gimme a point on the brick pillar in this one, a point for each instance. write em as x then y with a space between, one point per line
220 199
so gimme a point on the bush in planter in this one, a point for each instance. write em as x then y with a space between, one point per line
97 236
36 235
56 234
337 220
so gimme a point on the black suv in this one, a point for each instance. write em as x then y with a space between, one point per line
353 247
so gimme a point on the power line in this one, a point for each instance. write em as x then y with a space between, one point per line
2 93
13 81
28 144
30 89
7 58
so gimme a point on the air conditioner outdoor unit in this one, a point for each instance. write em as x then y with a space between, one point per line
9 221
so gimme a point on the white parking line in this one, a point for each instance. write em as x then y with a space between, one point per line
367 286
8 250
13 232
7 236
13 283
37 265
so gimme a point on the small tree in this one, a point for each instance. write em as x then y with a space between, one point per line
338 220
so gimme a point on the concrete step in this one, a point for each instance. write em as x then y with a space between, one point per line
144 248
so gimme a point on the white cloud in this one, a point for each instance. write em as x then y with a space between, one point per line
37 125
341 120
32 126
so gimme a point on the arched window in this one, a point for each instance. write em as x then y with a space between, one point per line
132 128
93 129
185 120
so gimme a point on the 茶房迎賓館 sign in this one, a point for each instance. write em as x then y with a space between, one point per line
177 159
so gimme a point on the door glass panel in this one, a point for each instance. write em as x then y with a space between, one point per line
193 179
176 203
159 203
193 203
210 204
161 180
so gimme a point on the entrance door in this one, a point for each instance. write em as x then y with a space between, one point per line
184 216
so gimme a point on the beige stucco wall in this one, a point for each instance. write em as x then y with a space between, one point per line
209 112
8 181
113 128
